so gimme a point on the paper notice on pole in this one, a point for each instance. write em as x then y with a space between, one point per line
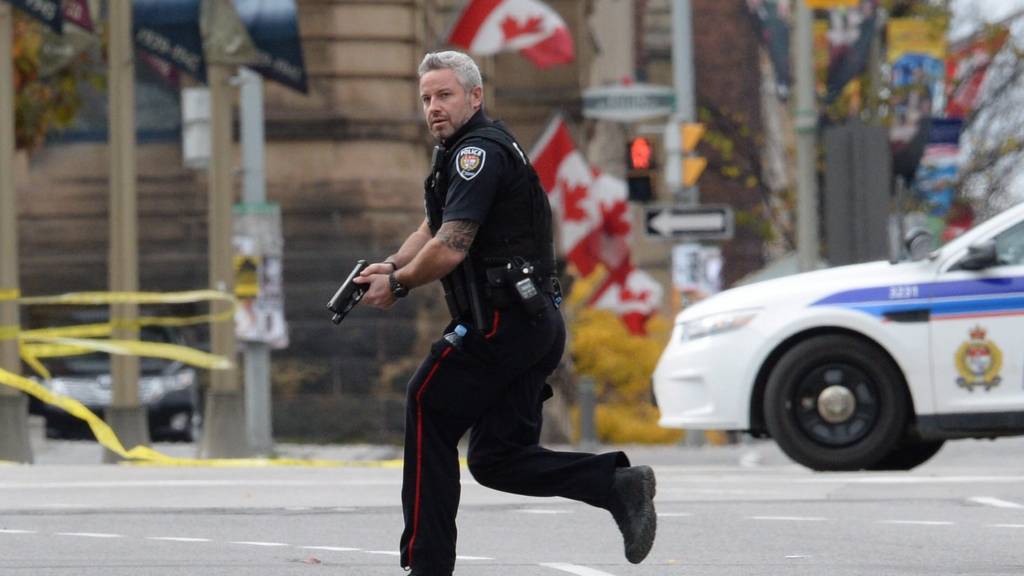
697 269
259 278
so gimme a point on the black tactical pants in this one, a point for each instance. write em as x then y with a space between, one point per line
494 384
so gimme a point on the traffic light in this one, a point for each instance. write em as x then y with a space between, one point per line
639 164
693 166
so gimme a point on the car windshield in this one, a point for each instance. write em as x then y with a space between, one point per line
99 363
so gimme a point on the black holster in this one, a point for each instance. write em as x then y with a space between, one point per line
464 296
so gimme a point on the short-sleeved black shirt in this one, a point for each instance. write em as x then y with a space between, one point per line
476 170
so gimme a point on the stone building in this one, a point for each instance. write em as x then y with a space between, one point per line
346 164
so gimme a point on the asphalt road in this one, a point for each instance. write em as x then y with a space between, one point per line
741 510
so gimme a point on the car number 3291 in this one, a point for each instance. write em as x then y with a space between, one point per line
902 292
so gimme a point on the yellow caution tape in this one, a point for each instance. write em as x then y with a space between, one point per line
89 338
173 352
9 332
143 455
9 294
100 298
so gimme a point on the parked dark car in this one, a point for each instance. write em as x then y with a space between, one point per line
169 390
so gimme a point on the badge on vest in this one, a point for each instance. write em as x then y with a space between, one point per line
470 162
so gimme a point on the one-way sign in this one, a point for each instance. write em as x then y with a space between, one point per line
707 222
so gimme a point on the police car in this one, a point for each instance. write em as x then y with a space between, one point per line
868 366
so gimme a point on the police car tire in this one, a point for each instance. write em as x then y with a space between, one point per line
891 401
909 455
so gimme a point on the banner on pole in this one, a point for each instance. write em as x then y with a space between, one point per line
274 28
169 30
46 11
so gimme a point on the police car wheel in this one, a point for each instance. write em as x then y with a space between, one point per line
836 403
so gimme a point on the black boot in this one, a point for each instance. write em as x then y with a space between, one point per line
632 505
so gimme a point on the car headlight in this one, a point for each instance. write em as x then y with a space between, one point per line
152 388
716 324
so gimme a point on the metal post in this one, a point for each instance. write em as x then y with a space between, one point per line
686 111
686 101
259 423
588 405
14 444
125 416
806 123
224 434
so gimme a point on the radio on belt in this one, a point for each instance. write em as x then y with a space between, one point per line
532 298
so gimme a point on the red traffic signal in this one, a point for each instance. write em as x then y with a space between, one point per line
640 153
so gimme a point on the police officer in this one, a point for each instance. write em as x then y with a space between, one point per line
487 238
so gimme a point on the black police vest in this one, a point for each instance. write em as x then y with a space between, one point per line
518 223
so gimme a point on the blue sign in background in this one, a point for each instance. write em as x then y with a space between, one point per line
274 28
169 29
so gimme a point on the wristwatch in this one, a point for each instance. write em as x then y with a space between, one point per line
397 288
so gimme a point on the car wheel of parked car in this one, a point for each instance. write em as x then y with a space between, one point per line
909 455
836 403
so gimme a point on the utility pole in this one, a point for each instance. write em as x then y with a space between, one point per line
686 102
686 112
259 424
125 416
14 444
224 434
806 124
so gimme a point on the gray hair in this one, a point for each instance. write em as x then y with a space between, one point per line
464 67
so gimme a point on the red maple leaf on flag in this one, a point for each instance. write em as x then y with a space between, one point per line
573 198
628 295
614 219
511 27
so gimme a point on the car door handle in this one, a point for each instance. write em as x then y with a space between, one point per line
914 315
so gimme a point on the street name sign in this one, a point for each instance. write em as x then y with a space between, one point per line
628 103
706 222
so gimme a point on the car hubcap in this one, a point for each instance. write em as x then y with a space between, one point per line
836 404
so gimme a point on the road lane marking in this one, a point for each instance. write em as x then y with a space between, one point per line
575 569
89 534
998 503
265 544
331 548
789 518
13 531
176 539
383 552
674 514
543 511
917 522
1006 525
473 558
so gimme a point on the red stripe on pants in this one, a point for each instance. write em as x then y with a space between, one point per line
419 451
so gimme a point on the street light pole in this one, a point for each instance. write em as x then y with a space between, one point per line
14 444
686 101
225 433
125 416
806 124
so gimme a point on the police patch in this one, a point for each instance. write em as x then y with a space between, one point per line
470 162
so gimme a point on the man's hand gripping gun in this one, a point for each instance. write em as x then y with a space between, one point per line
350 293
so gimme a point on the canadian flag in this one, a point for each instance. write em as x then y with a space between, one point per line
592 211
490 26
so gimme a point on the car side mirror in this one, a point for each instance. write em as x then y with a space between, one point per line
979 256
918 243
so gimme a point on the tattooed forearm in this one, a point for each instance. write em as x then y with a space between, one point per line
458 234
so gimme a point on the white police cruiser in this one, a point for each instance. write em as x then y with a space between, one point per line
869 366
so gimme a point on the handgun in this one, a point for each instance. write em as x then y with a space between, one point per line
350 293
